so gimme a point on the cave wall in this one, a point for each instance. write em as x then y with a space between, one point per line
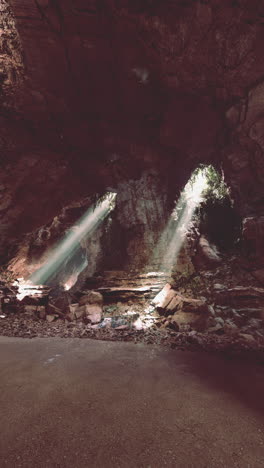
140 215
125 240
94 94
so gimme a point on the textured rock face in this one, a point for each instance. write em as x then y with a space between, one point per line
245 156
107 90
140 215
88 48
11 61
126 239
207 255
242 297
253 235
153 65
244 167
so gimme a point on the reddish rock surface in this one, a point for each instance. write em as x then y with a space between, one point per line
95 93
253 235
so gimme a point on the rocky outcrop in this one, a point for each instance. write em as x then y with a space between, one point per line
253 238
190 45
168 301
11 61
122 68
207 255
127 238
244 157
140 216
241 297
244 168
97 94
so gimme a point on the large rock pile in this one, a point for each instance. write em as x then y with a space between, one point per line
236 311
89 308
224 308
181 311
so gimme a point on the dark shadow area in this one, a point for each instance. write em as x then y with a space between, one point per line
238 376
220 223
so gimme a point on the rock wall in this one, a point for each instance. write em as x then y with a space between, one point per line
125 240
94 94
11 61
140 216
244 168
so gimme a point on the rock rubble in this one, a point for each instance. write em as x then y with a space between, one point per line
217 316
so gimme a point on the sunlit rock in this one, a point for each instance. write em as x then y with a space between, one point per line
207 255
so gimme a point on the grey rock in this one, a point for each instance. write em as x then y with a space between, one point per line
218 287
50 318
219 321
93 313
211 310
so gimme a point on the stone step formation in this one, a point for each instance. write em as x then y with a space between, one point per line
120 286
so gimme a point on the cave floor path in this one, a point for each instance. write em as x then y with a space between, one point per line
85 403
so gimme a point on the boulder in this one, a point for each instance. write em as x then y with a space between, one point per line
181 319
174 304
30 309
70 316
195 305
35 310
161 300
90 313
73 307
80 312
169 301
93 313
50 318
207 255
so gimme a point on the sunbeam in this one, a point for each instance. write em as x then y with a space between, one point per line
67 247
174 234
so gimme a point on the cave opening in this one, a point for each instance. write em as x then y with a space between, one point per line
204 209
216 215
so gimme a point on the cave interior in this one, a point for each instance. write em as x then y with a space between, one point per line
132 170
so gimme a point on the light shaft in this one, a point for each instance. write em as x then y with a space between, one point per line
66 248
